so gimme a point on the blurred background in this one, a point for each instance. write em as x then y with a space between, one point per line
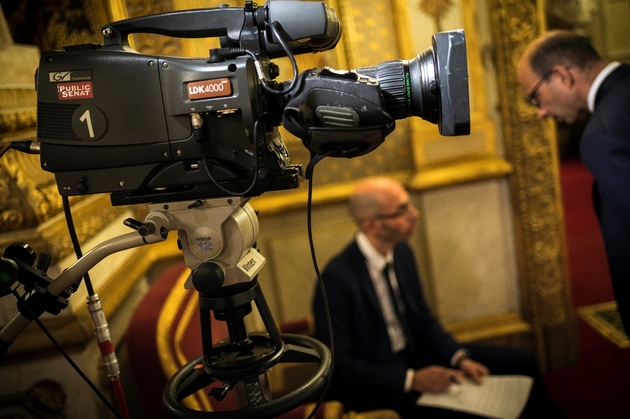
508 244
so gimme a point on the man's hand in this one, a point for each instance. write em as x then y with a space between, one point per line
435 379
474 370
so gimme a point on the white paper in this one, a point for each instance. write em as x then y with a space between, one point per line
498 396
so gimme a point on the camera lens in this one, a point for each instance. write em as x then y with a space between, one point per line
432 86
406 86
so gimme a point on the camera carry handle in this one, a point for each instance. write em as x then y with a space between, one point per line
200 23
247 28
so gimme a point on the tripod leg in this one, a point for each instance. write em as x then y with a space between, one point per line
197 380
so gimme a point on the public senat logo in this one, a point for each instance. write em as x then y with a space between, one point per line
66 76
78 90
209 88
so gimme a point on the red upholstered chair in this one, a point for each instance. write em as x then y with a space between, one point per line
165 334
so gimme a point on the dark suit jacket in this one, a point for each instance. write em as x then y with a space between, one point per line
366 371
605 150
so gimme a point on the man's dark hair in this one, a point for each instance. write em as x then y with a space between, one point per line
564 48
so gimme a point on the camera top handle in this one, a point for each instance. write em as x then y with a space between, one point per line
307 26
200 23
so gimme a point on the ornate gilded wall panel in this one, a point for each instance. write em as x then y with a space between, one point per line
16 109
531 149
29 198
417 21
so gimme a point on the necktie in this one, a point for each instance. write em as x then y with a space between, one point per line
412 351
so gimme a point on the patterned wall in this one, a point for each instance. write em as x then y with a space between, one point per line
369 38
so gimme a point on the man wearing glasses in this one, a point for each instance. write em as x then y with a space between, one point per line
566 79
388 347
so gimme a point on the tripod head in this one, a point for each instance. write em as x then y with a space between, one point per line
217 238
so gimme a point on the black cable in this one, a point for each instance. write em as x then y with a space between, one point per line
28 147
320 283
274 28
86 276
256 166
76 245
310 168
65 355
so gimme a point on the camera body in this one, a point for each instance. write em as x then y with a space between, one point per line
151 129
121 123
113 120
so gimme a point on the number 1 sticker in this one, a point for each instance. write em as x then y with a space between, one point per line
89 123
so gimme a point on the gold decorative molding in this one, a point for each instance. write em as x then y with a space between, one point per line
33 191
91 215
273 203
465 171
531 149
487 328
435 9
95 213
460 172
605 319
17 109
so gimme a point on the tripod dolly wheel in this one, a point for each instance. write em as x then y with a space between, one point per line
298 349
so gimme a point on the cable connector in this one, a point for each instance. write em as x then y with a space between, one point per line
103 337
30 146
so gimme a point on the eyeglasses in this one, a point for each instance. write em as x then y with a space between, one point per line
403 209
531 97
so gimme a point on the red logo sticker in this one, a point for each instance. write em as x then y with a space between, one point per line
209 88
78 90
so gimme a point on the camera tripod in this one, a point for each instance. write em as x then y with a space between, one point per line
216 237
227 286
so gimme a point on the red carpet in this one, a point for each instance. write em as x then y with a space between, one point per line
598 386
588 267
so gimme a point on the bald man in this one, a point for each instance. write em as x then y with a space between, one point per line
388 347
565 78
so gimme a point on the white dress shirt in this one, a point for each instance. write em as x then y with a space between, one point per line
375 264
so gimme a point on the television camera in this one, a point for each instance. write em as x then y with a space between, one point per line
197 137
157 129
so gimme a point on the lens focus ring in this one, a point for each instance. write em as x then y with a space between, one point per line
395 86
